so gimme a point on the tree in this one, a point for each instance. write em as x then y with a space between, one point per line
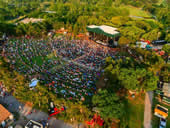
154 1
142 25
108 104
167 38
166 48
82 22
108 3
164 73
150 82
118 2
132 33
75 29
128 78
119 20
132 73
77 112
152 35
123 41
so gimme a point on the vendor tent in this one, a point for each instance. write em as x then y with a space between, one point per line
33 83
141 44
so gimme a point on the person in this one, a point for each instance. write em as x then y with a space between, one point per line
20 107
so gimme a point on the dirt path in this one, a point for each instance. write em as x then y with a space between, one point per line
148 110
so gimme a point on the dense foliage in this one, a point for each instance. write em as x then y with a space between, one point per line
75 15
135 19
136 74
108 104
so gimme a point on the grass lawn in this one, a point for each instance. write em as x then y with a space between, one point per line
135 111
156 120
58 66
160 2
136 11
38 60
144 19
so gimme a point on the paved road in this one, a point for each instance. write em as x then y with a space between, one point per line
148 110
14 106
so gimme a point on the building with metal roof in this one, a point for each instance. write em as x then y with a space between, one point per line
104 30
5 116
105 35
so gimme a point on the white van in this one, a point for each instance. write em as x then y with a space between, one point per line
162 123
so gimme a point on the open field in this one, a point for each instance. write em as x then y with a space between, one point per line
134 116
136 112
159 2
136 11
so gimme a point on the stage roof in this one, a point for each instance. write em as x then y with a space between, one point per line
104 29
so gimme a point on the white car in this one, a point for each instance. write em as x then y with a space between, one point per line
162 123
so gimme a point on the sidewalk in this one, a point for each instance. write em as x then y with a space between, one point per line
148 110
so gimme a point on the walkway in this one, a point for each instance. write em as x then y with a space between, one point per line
148 110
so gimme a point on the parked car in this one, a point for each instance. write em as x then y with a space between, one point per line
159 42
161 111
166 99
162 123
44 123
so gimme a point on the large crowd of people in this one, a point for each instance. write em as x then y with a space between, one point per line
73 81
69 67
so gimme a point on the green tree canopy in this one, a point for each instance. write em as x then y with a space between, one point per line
166 48
108 104
133 73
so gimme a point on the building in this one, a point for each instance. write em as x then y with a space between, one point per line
105 35
33 124
5 117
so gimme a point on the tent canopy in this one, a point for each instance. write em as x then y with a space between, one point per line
104 29
33 83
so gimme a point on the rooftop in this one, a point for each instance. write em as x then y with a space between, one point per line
4 113
103 28
32 20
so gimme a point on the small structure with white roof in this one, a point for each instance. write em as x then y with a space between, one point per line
31 20
33 83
